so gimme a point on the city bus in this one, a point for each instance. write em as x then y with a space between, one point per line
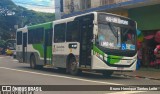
34 44
95 41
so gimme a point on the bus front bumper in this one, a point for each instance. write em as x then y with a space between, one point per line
98 64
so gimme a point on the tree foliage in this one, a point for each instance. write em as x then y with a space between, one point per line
11 15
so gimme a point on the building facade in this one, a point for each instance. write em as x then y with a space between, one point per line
64 7
144 12
58 10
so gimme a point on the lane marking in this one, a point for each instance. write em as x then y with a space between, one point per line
5 57
15 60
59 76
126 92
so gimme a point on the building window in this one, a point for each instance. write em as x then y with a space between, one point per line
86 4
35 36
59 33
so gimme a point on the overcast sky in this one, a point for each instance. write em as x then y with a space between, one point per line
37 5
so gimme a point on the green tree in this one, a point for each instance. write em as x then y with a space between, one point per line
11 15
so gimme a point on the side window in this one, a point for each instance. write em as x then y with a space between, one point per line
19 38
30 36
35 36
38 35
59 33
48 36
72 34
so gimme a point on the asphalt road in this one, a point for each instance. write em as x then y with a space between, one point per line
14 73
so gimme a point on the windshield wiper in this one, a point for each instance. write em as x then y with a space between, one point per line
113 29
126 31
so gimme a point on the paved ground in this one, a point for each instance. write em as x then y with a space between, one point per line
14 73
153 74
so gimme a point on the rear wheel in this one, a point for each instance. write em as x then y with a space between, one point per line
73 67
107 73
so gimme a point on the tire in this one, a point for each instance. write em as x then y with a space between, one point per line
72 67
107 73
33 62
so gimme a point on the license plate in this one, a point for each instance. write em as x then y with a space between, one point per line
120 68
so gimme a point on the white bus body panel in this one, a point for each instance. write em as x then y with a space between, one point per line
61 51
98 64
19 48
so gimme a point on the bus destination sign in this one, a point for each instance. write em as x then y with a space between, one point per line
116 20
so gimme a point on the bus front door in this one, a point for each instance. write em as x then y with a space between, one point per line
48 47
24 47
86 30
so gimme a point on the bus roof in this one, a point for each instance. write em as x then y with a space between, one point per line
73 17
46 25
22 29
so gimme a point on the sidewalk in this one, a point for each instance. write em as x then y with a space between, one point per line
147 73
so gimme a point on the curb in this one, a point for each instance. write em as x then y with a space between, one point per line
137 76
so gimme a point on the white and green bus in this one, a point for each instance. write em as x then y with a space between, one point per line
34 44
95 41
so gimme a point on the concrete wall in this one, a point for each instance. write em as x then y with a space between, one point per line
57 10
68 6
95 3
80 5
148 17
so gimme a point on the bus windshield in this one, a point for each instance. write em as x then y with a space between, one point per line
116 37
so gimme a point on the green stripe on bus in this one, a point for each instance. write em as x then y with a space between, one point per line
44 25
40 49
111 59
98 50
114 59
49 52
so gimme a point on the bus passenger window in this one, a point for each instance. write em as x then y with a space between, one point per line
59 33
72 34
35 36
19 38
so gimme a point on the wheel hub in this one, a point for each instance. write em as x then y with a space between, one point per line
73 66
